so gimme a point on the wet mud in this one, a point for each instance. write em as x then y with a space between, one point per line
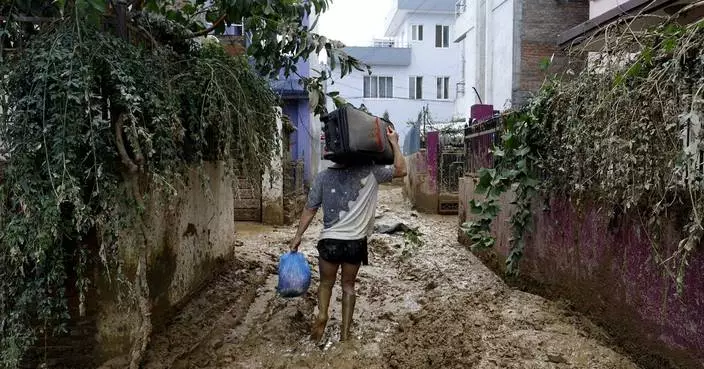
432 305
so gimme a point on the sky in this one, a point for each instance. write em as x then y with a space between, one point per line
355 22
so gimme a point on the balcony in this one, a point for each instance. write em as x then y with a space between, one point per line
384 42
382 52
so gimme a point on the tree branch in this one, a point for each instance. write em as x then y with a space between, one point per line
120 143
209 29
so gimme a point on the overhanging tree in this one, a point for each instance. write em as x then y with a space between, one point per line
107 102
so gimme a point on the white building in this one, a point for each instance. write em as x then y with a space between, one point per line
416 65
485 35
505 43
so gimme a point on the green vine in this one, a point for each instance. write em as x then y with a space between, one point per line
624 134
90 126
513 171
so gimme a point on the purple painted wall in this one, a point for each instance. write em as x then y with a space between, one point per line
296 106
299 112
421 183
608 271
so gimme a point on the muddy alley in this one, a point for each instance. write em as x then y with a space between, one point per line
420 305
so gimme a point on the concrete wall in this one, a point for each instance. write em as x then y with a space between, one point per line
191 233
419 187
499 57
504 43
298 110
488 27
273 185
421 183
607 270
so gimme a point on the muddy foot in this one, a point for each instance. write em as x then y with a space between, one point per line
318 329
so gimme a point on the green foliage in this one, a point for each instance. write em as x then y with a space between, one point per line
623 133
280 31
513 170
411 242
92 124
67 96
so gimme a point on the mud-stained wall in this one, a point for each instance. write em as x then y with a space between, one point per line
605 266
191 233
419 186
273 184
421 183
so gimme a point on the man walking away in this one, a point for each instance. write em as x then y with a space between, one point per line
348 196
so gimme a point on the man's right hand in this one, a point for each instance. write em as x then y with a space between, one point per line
392 134
294 244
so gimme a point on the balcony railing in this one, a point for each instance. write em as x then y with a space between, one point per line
390 43
384 43
460 7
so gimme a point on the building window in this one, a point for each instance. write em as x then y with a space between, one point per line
378 87
443 84
417 32
442 36
415 88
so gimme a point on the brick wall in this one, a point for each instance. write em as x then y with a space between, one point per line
540 24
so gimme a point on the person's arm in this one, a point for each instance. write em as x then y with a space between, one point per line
399 160
306 217
315 200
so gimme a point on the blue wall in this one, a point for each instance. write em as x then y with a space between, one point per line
297 107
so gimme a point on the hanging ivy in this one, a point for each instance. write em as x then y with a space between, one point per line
91 125
625 132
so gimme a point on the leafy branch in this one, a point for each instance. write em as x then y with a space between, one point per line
512 172
624 133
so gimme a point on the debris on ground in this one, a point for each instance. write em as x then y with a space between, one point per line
437 307
391 229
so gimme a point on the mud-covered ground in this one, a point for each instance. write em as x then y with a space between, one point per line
432 305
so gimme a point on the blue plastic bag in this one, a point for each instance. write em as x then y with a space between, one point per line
294 275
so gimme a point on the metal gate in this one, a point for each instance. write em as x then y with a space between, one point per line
451 169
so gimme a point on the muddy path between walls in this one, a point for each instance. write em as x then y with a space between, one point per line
432 305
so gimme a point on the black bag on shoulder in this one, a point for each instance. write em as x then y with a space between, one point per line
353 136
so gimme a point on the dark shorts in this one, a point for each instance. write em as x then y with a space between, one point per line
344 251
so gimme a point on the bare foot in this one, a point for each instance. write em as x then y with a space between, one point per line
318 329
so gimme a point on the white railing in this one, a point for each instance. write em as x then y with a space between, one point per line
390 43
384 43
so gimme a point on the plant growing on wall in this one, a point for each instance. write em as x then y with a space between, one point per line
625 133
92 125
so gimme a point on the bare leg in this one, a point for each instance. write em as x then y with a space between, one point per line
349 275
328 274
